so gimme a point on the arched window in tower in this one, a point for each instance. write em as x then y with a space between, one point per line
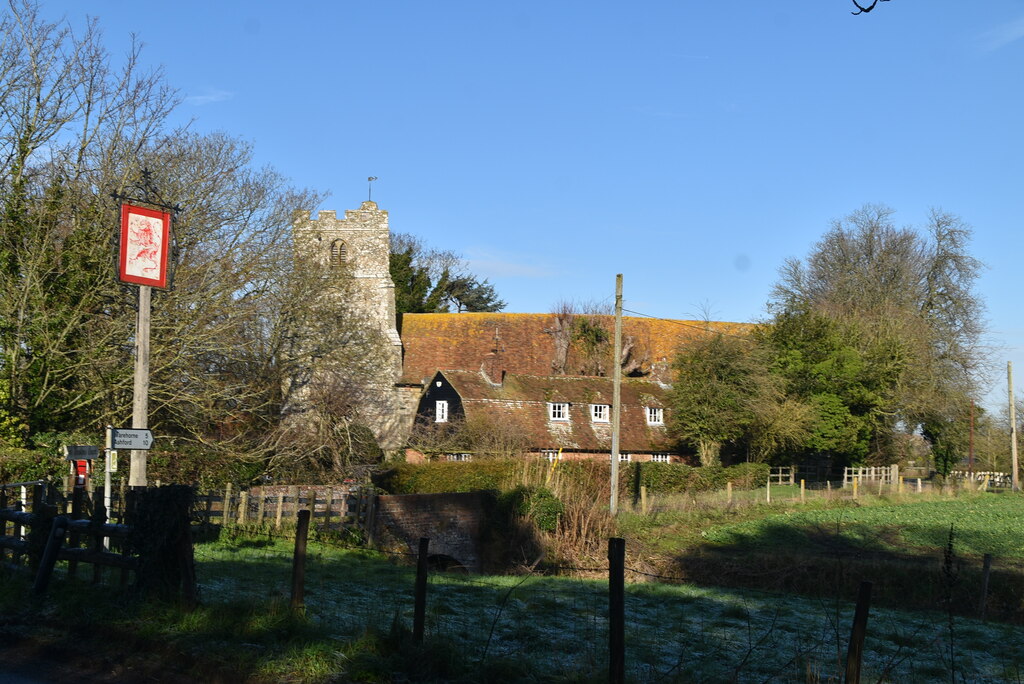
339 253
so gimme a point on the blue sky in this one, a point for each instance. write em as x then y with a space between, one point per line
690 145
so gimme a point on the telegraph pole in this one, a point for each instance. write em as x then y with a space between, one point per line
1014 478
616 394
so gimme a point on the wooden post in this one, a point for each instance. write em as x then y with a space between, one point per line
986 571
243 506
1014 467
792 475
855 651
616 610
419 609
280 510
918 485
140 390
329 494
49 559
880 483
261 508
899 485
299 561
728 491
855 488
76 514
293 492
643 499
768 490
803 491
616 369
226 517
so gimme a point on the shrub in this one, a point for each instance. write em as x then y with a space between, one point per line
536 503
23 465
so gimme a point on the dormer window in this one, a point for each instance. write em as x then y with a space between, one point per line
655 415
558 411
441 411
599 413
339 253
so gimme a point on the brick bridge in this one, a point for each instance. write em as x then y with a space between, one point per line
455 524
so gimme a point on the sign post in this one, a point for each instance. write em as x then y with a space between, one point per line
145 246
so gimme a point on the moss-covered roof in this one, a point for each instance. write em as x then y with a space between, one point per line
522 400
526 343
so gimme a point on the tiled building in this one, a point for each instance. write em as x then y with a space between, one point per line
548 375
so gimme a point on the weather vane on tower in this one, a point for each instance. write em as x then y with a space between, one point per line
369 188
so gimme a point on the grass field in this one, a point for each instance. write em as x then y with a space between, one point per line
551 629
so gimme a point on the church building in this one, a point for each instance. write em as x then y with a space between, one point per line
546 375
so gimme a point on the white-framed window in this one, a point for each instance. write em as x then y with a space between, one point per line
661 458
459 457
655 415
625 458
551 455
599 413
558 410
440 411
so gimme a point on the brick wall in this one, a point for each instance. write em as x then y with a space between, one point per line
454 523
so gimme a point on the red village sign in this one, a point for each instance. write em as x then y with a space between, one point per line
145 243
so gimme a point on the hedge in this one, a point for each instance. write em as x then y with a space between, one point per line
432 478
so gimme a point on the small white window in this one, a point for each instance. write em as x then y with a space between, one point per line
441 412
558 410
655 415
599 413
551 455
661 458
460 457
625 458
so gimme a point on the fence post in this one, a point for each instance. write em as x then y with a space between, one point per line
53 543
299 561
419 610
243 506
226 517
803 490
280 510
294 493
986 571
768 490
329 499
643 499
860 627
616 610
728 491
261 508
76 514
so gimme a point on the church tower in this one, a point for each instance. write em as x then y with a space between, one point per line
360 243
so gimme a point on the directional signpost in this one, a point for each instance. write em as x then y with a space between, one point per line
131 438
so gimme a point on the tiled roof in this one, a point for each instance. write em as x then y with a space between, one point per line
523 401
526 342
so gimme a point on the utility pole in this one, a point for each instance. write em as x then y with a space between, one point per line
616 394
1014 478
970 448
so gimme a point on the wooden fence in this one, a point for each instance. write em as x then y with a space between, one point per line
333 507
782 475
884 474
73 536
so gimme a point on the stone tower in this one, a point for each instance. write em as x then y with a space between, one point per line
361 243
